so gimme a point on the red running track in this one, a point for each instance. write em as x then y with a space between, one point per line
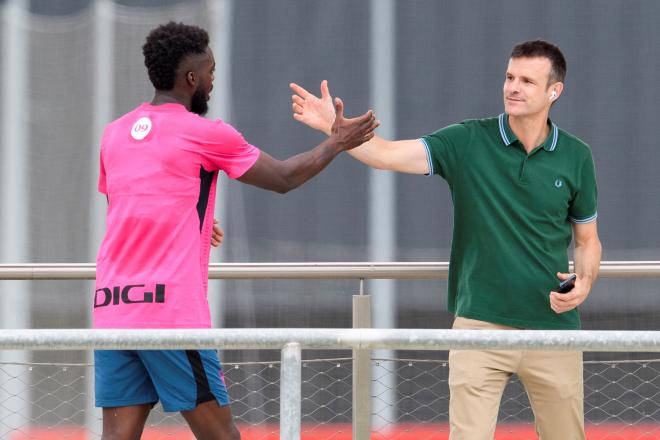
609 431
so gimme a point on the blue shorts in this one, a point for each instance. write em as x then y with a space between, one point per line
180 379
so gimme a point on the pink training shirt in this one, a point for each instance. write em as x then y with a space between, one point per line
159 169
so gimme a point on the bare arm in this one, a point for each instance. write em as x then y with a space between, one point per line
587 255
407 156
284 175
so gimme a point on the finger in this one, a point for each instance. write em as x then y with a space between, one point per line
368 137
369 122
371 125
367 117
339 108
298 117
297 100
564 304
299 90
559 298
297 109
371 119
562 276
325 90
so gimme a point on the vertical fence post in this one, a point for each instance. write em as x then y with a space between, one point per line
290 394
103 93
361 370
15 297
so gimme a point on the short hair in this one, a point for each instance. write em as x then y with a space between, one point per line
541 48
166 46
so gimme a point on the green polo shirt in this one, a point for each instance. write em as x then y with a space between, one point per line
512 218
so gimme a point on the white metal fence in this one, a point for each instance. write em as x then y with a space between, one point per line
327 392
636 397
390 270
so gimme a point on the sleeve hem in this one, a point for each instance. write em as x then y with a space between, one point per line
428 157
584 220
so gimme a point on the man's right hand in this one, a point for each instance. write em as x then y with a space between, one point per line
315 112
349 133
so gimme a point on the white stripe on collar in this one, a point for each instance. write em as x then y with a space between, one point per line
555 137
500 120
505 138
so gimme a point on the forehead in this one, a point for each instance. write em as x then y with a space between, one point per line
535 67
207 56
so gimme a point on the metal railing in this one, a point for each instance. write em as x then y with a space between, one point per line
292 341
360 339
430 270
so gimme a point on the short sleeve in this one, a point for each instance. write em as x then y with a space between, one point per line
102 181
445 148
224 148
584 206
102 186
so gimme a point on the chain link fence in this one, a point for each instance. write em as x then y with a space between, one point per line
47 401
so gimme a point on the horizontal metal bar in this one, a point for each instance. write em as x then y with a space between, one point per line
423 270
277 338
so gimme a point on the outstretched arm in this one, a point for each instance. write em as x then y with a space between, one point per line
407 156
284 175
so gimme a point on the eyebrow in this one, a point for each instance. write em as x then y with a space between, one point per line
522 77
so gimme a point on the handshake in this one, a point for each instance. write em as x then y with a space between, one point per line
327 116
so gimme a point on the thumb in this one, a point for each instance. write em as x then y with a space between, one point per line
339 108
325 90
563 276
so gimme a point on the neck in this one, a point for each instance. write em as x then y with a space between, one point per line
170 97
531 130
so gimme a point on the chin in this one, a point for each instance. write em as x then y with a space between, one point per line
513 110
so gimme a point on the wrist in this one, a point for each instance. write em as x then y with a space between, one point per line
335 144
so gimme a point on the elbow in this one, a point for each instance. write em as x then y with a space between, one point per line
282 189
284 186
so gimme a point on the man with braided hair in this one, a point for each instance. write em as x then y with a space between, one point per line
159 166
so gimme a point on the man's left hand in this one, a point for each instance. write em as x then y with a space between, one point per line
217 235
564 302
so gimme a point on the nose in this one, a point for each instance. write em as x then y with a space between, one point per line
512 87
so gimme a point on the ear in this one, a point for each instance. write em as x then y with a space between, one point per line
191 78
555 90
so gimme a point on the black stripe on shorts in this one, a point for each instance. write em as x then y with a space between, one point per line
201 380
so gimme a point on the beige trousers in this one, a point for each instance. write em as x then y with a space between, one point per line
552 379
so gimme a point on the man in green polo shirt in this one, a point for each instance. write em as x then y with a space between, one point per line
522 189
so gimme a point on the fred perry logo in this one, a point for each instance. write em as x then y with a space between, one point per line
559 183
141 128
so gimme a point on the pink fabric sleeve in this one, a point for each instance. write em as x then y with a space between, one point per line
224 148
102 182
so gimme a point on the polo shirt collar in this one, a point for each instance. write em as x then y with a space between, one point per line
509 138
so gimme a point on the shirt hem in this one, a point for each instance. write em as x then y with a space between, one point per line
151 325
519 323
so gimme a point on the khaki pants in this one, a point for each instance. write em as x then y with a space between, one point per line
552 379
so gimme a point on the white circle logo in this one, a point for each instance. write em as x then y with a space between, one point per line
141 129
